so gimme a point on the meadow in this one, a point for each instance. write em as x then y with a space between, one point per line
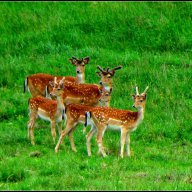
153 43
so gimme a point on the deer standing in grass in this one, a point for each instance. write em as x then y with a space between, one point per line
75 93
86 94
75 114
38 84
47 109
107 78
126 121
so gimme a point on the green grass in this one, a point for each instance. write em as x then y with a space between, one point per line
153 43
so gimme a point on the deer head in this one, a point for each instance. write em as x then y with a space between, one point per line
140 99
106 76
57 87
105 97
80 66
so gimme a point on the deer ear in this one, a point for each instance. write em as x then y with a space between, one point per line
62 85
98 73
110 91
133 96
51 83
145 96
111 73
86 60
72 61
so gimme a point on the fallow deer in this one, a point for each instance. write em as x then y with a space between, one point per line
47 109
87 94
37 83
106 76
126 121
105 81
75 114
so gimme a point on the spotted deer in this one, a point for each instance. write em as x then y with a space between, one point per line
105 81
47 109
88 94
126 121
75 114
38 84
107 76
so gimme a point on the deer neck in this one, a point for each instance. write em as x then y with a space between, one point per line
60 103
107 87
104 103
81 78
140 112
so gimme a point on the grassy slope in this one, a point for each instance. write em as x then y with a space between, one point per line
153 43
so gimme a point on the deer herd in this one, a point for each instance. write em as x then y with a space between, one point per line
70 99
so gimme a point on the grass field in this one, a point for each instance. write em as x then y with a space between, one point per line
153 43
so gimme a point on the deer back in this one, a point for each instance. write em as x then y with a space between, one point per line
107 114
42 103
37 83
87 94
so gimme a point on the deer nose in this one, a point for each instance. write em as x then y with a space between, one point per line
101 83
51 94
78 71
133 106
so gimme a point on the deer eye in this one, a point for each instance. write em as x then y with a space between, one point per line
141 100
58 89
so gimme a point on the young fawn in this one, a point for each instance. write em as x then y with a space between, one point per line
47 109
126 121
38 84
75 114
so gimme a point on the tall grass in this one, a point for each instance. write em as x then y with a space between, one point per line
153 43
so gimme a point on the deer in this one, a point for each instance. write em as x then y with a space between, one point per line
105 81
46 109
75 115
102 118
107 77
87 94
37 84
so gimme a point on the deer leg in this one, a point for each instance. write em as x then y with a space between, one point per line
70 134
123 137
128 152
60 127
69 126
88 137
31 131
60 140
31 126
100 134
53 132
